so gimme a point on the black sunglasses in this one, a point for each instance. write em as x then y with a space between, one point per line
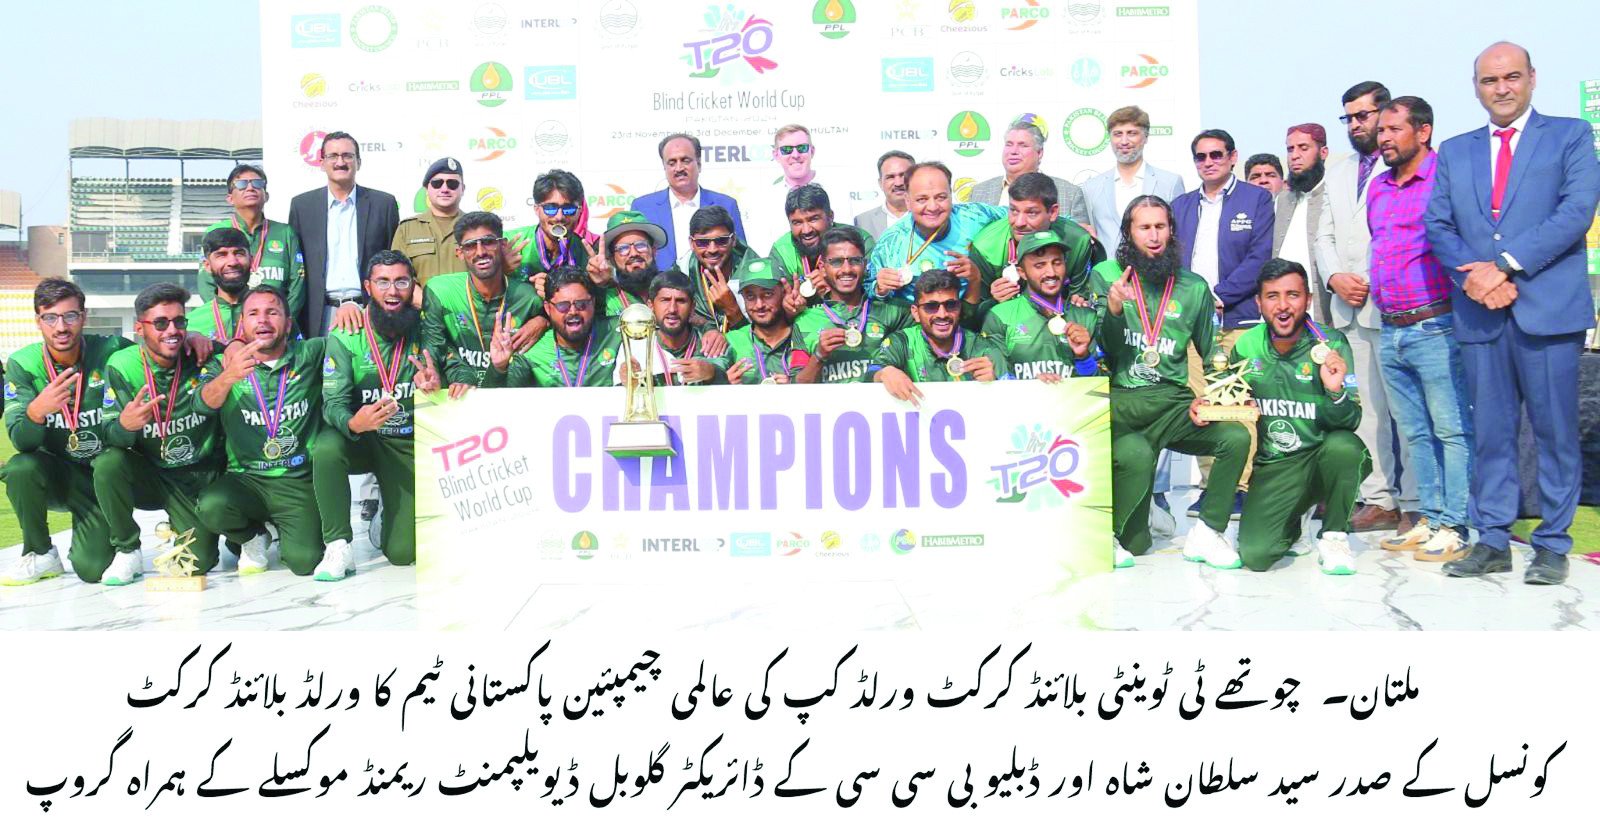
161 323
1214 156
948 306
437 183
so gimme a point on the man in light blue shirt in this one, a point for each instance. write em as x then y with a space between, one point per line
936 236
344 245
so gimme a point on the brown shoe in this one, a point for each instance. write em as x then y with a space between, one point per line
1408 520
1371 518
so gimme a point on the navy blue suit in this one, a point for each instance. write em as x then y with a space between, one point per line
1244 244
657 208
1529 352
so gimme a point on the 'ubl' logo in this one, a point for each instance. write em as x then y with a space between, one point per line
472 448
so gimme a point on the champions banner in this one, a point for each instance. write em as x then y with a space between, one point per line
981 507
513 88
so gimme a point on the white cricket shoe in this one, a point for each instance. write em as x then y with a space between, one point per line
253 555
1210 547
1333 554
338 562
1121 558
125 567
31 567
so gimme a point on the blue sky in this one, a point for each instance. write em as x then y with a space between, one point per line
1265 64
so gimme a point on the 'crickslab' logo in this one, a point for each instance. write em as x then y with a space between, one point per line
314 31
907 74
550 82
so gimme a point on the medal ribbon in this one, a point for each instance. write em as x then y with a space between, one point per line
274 419
388 377
761 356
259 236
162 425
77 394
1011 251
929 241
221 331
583 364
562 254
472 307
1316 331
1060 307
866 307
945 354
1152 330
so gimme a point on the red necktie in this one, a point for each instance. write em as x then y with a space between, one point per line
1502 171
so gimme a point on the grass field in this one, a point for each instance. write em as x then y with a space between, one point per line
10 530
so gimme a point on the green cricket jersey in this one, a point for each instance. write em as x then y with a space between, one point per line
909 352
1297 412
282 264
994 248
1022 328
704 312
787 358
691 350
26 376
350 379
1189 318
203 319
849 364
787 262
548 364
569 252
460 348
615 299
190 436
245 426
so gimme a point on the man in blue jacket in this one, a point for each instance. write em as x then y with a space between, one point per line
672 206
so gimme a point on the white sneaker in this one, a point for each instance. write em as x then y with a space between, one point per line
124 568
31 567
1162 524
1445 545
1411 539
1121 558
253 556
1333 554
338 562
1308 540
1211 547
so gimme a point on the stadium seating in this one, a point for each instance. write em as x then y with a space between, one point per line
17 281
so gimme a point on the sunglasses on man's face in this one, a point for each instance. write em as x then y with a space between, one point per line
256 183
786 150
703 242
437 183
947 306
569 305
564 210
485 242
1214 156
161 323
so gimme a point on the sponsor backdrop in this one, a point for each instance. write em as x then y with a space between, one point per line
515 88
996 495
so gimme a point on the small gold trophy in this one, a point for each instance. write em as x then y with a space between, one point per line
641 431
176 563
1227 393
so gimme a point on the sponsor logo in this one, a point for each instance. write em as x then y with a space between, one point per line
669 545
540 22
1144 11
373 28
550 82
11 391
549 547
962 11
1085 132
952 541
1160 130
607 205
495 143
313 85
311 148
746 544
1143 73
1037 457
433 85
1305 372
618 18
833 17
871 542
364 88
491 83
550 136
434 25
968 131
314 31
489 19
966 68
733 36
902 541
790 544
490 199
962 189
1085 72
1024 71
725 153
907 74
1024 17
1084 12
585 545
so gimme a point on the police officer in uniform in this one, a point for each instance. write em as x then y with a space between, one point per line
428 239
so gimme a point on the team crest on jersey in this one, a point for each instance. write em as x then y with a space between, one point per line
11 391
606 355
1283 436
274 246
110 399
1305 372
874 329
1174 310
95 380
327 366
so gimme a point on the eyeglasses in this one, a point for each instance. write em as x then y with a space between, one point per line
1359 116
390 284
161 323
947 306
485 242
846 261
637 246
1214 156
786 150
254 182
567 306
703 242
70 318
437 183
341 157
553 209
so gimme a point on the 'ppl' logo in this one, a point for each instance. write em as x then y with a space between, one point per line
314 31
550 82
903 74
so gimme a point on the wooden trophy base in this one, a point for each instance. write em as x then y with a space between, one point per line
1229 412
176 583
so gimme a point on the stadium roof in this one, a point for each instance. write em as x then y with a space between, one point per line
165 139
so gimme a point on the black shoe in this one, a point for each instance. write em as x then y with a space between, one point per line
1546 568
1482 560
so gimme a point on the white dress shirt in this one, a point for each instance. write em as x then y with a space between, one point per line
344 244
1296 245
682 211
1123 193
1521 124
1204 259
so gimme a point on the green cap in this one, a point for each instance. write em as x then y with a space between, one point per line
630 222
1040 239
756 272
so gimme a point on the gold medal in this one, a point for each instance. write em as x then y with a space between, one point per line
1058 325
272 450
955 366
852 337
807 289
1150 357
72 442
1319 352
1010 274
770 380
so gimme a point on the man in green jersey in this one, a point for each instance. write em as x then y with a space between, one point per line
680 356
847 324
770 349
1154 311
995 254
461 311
624 272
716 255
226 256
55 408
797 255
938 349
555 239
267 393
367 407
429 238
580 351
165 448
273 250
1308 451
1044 334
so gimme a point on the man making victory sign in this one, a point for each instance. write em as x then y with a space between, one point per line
1044 334
848 324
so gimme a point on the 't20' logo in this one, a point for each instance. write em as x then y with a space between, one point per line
472 448
1055 466
748 43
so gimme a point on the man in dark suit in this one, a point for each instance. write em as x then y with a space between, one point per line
340 227
1507 217
672 206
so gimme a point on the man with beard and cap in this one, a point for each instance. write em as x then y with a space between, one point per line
273 247
429 238
1109 192
462 313
937 348
715 254
580 351
679 356
267 393
555 238
1309 452
1044 334
1265 171
939 230
55 412
849 326
227 258
995 252
770 349
624 272
1155 311
367 410
892 167
165 448
1298 211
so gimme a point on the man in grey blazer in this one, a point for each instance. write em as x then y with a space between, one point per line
1389 494
1023 151
892 168
1298 208
1108 193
